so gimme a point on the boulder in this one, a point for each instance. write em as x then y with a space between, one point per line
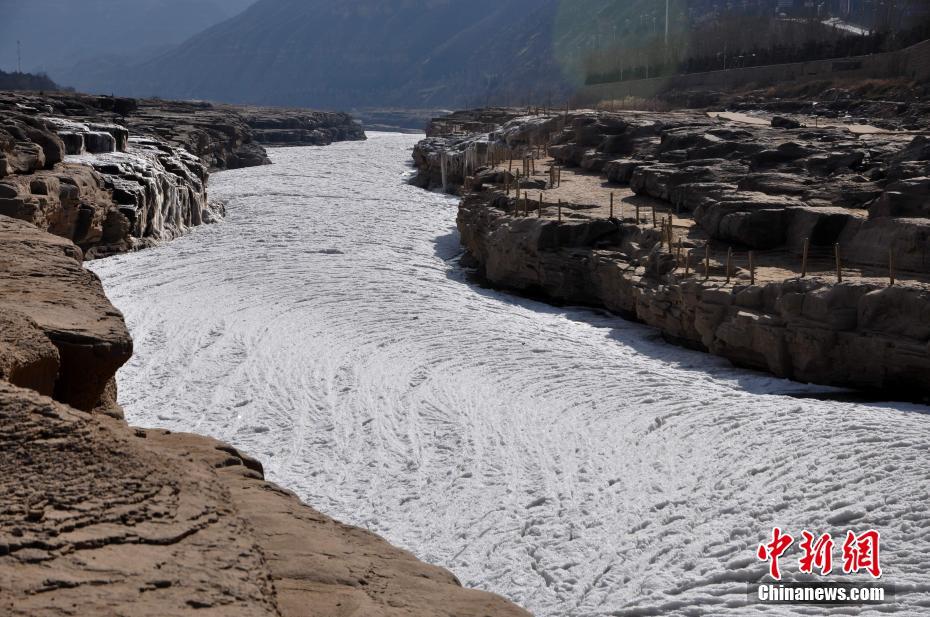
42 278
868 241
905 198
621 171
780 122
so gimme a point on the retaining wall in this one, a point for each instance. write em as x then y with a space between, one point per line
912 62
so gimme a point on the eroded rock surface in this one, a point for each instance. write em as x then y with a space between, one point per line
114 520
100 518
42 278
114 175
863 334
730 187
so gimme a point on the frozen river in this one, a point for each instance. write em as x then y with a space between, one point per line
566 459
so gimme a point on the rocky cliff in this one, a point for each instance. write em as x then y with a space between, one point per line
114 175
863 334
795 249
106 519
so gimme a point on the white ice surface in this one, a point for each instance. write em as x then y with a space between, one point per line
567 459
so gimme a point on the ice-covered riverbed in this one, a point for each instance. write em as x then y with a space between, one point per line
566 459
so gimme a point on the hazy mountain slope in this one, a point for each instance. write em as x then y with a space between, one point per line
56 35
346 53
355 53
410 53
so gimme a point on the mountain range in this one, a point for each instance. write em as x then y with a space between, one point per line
77 41
346 54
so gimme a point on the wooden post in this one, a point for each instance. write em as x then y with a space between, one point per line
663 234
678 254
637 213
510 160
839 264
729 263
807 246
539 212
752 269
560 210
654 223
688 264
443 165
611 204
891 266
560 176
707 261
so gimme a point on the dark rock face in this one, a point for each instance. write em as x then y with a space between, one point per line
296 127
780 122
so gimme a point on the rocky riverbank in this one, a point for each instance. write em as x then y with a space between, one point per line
116 174
103 518
794 249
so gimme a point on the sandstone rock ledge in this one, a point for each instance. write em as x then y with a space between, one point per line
796 249
861 334
98 518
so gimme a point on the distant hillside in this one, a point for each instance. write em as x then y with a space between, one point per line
339 53
26 81
352 54
74 40
370 53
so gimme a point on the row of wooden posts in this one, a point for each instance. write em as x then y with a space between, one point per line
667 239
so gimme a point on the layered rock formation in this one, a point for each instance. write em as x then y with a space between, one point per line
863 334
723 195
106 519
299 127
114 175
